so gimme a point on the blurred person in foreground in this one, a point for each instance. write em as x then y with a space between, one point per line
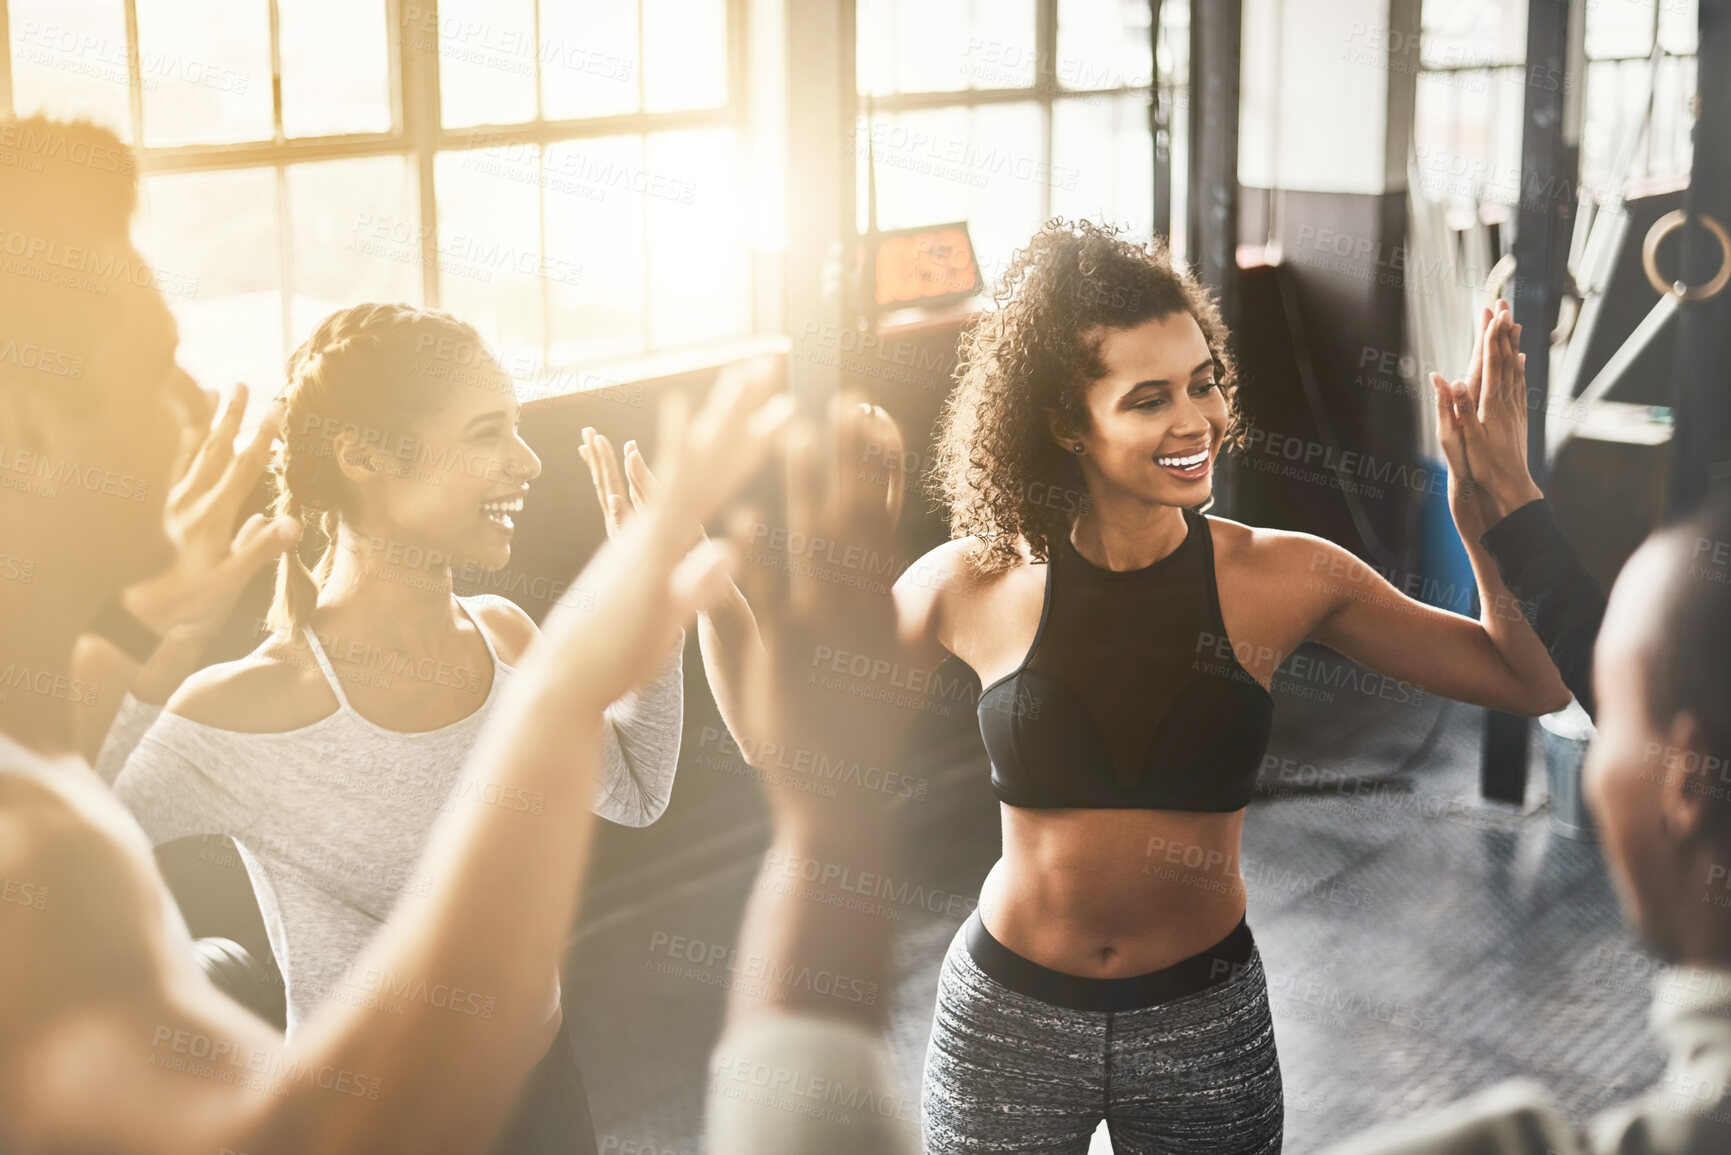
111 1038
802 1065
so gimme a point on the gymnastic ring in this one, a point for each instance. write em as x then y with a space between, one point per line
1662 228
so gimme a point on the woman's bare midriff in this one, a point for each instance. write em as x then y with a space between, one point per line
1113 893
1097 893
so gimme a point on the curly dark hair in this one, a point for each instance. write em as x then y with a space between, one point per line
996 466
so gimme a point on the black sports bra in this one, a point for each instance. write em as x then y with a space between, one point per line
1130 697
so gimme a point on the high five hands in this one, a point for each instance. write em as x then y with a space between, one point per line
659 567
822 685
621 492
779 712
1482 424
763 679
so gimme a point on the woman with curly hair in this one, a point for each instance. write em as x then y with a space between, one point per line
1125 644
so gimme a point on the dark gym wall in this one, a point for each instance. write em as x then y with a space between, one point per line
1343 258
1322 232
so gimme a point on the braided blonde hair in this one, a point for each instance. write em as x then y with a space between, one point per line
360 371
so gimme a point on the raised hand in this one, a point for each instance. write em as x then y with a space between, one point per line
706 458
619 491
213 562
726 628
1496 431
1467 506
822 686
627 605
1482 421
612 489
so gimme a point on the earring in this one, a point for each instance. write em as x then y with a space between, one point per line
1077 447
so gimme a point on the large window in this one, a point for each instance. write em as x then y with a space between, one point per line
563 175
1004 113
1471 85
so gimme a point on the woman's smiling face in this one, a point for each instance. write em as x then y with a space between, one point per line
1156 416
455 495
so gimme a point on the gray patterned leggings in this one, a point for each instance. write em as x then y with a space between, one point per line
1179 1062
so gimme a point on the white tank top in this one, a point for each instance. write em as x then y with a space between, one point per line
330 818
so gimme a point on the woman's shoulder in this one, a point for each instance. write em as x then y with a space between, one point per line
1282 552
511 629
965 566
277 687
953 590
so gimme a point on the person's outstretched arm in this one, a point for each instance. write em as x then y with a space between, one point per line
1535 561
122 1045
804 916
1496 661
727 633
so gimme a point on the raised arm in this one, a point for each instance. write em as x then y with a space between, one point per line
727 634
640 740
164 1063
801 917
640 745
1497 661
1487 432
1494 661
792 719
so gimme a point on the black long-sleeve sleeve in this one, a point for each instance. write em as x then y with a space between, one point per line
1563 602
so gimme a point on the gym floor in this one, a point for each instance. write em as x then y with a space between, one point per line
1420 944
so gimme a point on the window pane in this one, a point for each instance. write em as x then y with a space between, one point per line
983 166
943 45
218 233
1485 33
589 60
931 45
684 54
1616 102
699 284
490 246
1620 29
919 181
335 67
874 47
1668 148
1679 25
1103 161
1103 44
69 60
354 237
1467 134
1173 71
205 68
486 60
1001 52
1008 188
595 237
